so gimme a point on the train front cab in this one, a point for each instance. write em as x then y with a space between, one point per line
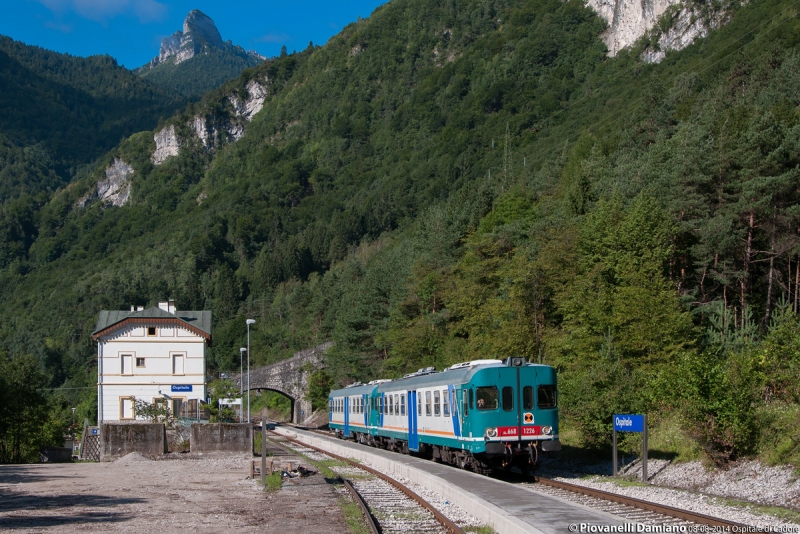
514 409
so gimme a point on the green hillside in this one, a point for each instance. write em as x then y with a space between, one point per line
71 109
202 73
452 180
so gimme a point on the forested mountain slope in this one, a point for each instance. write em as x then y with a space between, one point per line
461 179
72 109
196 60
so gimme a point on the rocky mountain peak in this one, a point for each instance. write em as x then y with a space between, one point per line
200 26
199 32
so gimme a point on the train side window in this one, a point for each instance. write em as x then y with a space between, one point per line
471 400
527 397
437 403
446 403
488 397
391 404
403 404
428 403
419 404
508 398
463 396
397 404
547 396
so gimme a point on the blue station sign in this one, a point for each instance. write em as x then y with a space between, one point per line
629 423
181 388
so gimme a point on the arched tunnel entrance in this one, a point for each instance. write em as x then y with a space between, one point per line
279 404
289 378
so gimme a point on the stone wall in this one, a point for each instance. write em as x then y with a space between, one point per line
117 440
222 437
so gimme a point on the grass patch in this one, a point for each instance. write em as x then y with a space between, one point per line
778 512
353 516
480 529
779 439
274 482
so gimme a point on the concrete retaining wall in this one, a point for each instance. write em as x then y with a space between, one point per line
117 440
222 437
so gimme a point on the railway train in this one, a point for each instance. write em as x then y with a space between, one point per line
481 415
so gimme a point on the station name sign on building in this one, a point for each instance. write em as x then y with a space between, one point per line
181 388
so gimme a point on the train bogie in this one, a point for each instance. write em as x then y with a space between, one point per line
480 415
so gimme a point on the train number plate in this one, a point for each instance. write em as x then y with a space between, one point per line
513 431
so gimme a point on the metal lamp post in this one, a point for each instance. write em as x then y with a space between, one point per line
249 322
241 371
241 382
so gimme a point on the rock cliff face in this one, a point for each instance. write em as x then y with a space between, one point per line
214 130
115 189
167 145
199 35
629 20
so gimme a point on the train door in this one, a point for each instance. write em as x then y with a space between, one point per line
347 417
365 405
413 436
455 411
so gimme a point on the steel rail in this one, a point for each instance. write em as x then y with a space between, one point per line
670 511
449 525
372 523
685 515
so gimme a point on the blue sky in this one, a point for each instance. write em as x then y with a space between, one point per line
131 30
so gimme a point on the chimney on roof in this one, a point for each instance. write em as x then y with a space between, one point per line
139 308
171 306
164 306
133 308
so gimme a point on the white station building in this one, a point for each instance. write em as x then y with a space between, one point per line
153 354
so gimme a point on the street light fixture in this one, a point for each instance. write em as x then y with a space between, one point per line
248 322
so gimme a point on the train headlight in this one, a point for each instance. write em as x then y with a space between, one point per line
546 430
491 432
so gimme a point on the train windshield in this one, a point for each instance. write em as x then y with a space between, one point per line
488 398
527 397
547 396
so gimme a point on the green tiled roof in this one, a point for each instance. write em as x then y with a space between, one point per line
198 319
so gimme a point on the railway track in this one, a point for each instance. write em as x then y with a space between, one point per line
388 506
630 508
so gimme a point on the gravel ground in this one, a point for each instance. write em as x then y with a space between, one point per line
136 494
691 486
451 511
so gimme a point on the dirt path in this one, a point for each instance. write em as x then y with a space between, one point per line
135 494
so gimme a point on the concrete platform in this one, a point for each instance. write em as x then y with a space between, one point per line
506 507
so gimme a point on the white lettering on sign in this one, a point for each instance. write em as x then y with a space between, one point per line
624 421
